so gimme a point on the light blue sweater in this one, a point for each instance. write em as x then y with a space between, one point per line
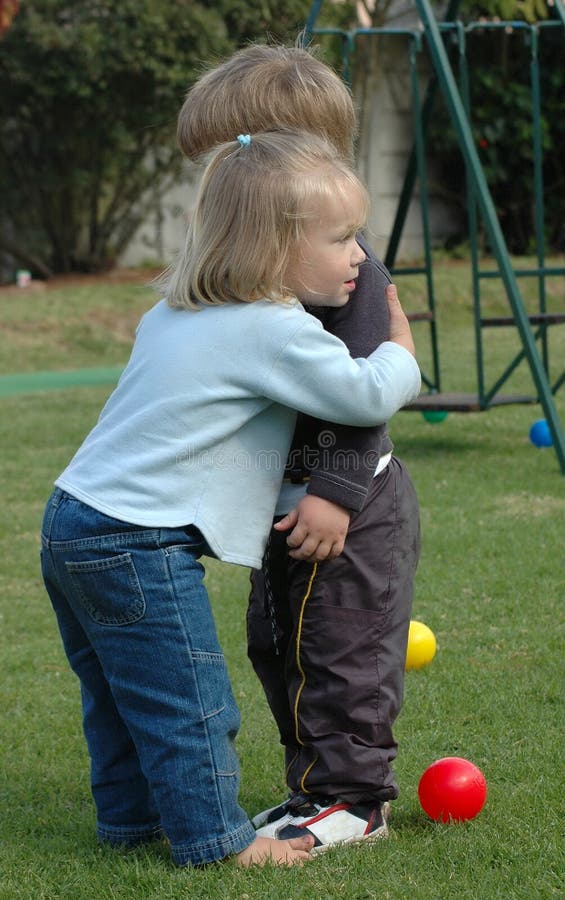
199 426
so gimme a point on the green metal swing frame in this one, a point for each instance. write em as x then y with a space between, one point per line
534 344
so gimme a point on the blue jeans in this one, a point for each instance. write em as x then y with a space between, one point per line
159 715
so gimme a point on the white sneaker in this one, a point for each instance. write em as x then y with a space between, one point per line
330 822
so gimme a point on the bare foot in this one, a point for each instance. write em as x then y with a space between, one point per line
280 853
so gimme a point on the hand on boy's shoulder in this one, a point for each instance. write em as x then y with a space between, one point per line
319 528
400 331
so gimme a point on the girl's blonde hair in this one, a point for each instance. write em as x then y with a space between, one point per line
252 206
266 88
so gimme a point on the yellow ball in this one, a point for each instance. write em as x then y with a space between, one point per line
421 646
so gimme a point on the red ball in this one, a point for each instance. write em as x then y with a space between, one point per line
452 789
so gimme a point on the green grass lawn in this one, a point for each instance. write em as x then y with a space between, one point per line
491 585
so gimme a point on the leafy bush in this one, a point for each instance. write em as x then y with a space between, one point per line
89 95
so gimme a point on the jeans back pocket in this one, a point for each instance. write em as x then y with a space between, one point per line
108 589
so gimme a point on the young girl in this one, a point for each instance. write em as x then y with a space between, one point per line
186 460
330 607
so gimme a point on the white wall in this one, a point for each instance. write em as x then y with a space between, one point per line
383 167
162 235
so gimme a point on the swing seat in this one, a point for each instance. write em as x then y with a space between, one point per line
456 402
422 316
536 319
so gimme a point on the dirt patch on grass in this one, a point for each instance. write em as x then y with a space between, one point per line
75 279
525 506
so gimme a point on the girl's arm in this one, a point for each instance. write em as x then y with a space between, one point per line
313 373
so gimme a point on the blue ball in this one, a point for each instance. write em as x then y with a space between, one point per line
540 435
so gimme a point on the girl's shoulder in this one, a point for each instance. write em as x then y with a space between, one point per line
270 321
258 309
266 320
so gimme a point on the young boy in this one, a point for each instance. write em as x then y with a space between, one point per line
329 610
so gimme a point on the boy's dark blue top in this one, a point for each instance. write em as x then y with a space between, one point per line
340 460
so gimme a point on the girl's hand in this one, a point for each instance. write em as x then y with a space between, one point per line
319 528
400 331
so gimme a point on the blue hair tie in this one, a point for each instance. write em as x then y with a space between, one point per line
244 139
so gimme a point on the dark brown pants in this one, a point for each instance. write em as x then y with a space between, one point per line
328 642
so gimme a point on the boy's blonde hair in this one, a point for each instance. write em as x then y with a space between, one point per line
266 88
252 207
